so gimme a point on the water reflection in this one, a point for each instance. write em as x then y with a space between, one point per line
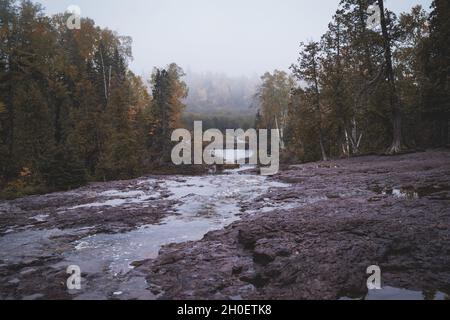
391 293
400 294
436 192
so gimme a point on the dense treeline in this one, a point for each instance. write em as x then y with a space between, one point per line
70 109
366 87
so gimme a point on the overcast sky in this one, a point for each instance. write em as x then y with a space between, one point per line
236 37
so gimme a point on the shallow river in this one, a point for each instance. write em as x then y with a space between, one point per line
206 203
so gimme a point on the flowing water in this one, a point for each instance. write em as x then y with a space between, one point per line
204 204
207 203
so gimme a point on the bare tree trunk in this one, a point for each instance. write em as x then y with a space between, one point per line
342 131
280 134
397 145
322 147
109 80
362 8
104 75
319 114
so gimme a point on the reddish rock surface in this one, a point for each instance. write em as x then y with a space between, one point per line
337 219
311 237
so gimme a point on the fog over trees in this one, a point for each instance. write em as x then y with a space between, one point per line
215 92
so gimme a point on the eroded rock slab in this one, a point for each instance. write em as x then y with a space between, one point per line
315 239
105 230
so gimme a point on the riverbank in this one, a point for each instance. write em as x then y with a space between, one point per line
308 233
20 189
316 238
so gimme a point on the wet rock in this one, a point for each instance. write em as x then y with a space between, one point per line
312 240
246 239
321 249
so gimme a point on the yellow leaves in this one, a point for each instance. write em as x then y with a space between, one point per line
132 113
20 186
25 172
4 31
2 108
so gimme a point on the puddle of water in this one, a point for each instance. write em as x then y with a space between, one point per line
400 193
440 192
399 294
414 193
392 293
403 193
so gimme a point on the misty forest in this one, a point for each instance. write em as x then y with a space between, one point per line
85 164
71 109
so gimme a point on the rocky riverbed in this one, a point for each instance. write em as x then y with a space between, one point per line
107 228
308 233
335 220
